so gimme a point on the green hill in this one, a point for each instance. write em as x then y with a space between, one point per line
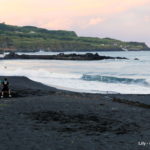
30 38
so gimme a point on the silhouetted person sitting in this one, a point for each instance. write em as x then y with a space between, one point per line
5 88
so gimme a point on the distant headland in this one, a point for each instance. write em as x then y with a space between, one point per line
32 39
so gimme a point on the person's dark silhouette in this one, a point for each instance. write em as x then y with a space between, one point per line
5 88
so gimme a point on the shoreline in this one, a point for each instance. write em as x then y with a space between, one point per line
18 51
43 117
39 86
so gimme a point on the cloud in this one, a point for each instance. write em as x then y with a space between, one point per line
23 9
57 24
95 21
147 19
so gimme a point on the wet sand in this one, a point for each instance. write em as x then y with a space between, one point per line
39 117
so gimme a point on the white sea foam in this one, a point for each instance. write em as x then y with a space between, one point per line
76 83
130 77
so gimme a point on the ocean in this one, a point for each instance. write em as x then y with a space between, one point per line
104 76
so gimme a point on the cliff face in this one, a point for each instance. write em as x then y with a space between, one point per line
30 38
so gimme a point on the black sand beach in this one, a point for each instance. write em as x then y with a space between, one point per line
39 117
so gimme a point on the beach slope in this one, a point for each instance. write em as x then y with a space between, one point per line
39 117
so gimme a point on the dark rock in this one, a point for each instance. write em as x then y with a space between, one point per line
136 59
62 56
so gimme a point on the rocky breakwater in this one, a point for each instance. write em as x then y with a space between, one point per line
61 56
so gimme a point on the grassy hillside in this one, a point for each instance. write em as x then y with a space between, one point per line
30 38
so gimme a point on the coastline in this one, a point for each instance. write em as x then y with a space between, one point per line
42 117
75 51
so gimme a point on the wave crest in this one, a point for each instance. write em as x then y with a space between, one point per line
111 79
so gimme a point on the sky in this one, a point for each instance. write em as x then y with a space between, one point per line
127 20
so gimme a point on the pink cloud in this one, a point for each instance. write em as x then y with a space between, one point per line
56 24
95 21
147 19
24 9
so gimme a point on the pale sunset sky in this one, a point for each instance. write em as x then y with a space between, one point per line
127 20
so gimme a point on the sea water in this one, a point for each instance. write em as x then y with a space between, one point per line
104 76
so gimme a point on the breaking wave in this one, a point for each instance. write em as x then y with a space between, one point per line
111 79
